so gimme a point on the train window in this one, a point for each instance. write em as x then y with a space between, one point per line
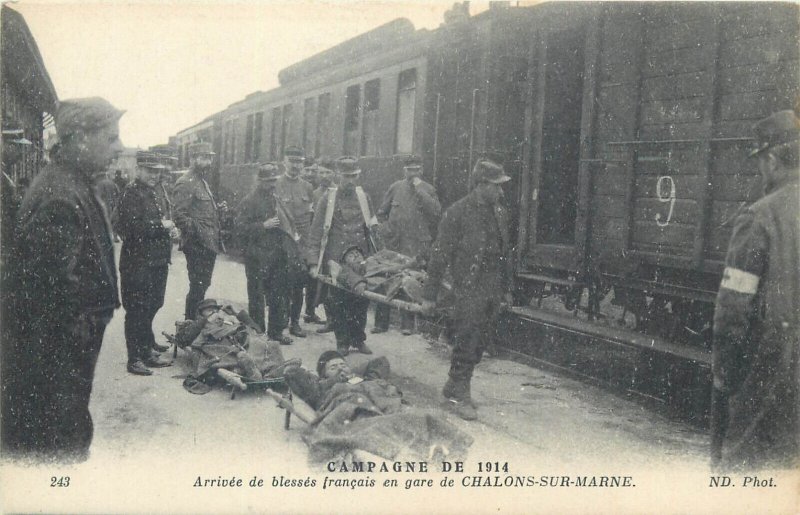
351 118
369 134
248 139
273 133
308 120
286 126
406 99
323 113
257 132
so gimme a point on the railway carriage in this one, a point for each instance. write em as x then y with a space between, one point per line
625 128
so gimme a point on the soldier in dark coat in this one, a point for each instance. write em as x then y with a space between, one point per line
756 348
297 195
197 216
473 244
268 249
65 291
411 210
144 264
343 220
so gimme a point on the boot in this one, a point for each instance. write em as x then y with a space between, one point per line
457 399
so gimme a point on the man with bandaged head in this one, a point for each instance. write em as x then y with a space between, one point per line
65 291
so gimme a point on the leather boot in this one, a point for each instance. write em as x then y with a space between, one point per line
456 394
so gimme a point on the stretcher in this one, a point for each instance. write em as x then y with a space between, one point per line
411 307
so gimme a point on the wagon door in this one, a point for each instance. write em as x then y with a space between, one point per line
559 121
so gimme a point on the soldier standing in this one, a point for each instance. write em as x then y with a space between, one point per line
197 217
269 246
296 194
756 347
319 292
412 210
144 264
343 221
473 243
65 291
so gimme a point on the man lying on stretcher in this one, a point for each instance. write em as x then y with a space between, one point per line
386 272
225 343
359 411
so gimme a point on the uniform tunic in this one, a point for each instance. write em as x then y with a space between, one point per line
473 248
412 212
757 333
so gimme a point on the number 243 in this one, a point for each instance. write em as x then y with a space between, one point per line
62 481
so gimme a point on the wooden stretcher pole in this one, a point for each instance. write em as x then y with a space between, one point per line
377 297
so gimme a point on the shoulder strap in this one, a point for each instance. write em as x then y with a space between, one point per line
369 219
329 208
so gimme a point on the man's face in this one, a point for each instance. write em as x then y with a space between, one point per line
490 192
337 367
149 176
98 148
411 172
266 184
294 165
207 312
325 177
348 180
202 162
353 256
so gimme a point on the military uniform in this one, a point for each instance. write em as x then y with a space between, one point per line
411 212
197 216
267 256
473 244
65 292
144 264
756 352
297 195
347 312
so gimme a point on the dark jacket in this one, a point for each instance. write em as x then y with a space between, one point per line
757 332
348 228
65 262
196 213
263 247
297 195
413 213
473 248
145 241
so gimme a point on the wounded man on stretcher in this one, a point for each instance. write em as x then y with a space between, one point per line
389 273
358 412
224 343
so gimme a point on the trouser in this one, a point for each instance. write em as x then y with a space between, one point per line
46 393
470 333
303 281
200 264
143 291
347 314
266 286
383 314
311 295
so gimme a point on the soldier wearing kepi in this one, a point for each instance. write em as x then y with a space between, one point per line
343 220
412 210
473 243
297 195
756 348
144 263
266 234
65 291
197 216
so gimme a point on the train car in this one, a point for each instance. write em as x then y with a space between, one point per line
625 128
629 125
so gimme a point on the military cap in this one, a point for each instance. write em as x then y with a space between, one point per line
15 135
323 169
294 152
489 171
145 159
269 171
201 148
324 358
410 161
85 114
350 249
348 165
776 129
207 303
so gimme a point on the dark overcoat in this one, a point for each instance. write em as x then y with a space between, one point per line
196 213
145 240
412 213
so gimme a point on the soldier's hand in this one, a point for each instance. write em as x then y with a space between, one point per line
416 181
312 270
168 224
428 306
271 223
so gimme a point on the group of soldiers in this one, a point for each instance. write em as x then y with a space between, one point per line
60 285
